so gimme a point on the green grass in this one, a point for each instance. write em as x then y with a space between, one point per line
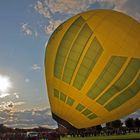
115 137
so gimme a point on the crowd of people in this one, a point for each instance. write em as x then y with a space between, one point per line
24 136
56 135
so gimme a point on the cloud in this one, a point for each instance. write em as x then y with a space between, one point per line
3 95
36 34
36 117
42 9
9 106
6 105
16 95
28 118
67 6
26 29
133 115
19 103
129 7
71 7
51 8
36 67
27 80
53 24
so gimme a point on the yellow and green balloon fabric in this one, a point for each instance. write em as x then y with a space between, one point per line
92 68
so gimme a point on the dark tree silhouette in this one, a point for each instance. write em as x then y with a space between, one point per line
5 129
108 125
129 123
2 128
99 128
116 124
137 123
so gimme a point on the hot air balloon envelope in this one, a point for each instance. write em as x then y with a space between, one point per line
92 68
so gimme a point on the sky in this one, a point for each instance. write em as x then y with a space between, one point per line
25 28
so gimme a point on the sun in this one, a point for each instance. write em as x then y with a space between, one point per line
5 83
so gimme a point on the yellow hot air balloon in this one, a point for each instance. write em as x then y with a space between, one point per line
92 68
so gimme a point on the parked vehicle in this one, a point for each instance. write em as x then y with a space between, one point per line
32 134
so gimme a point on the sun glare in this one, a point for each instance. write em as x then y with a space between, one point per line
5 83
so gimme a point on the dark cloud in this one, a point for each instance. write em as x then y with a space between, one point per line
28 118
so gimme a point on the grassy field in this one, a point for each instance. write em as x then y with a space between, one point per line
117 137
